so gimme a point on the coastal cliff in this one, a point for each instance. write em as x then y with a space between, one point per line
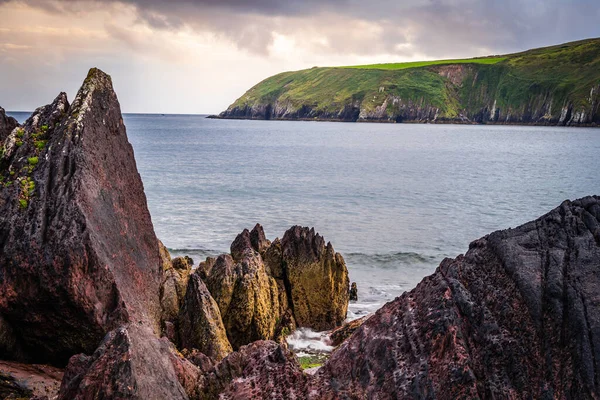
558 85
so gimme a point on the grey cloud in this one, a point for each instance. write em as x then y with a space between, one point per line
434 28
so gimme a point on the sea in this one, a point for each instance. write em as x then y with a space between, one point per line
393 199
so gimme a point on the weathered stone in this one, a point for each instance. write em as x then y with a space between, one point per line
254 308
7 124
240 245
200 323
260 370
199 359
78 255
247 296
258 240
353 292
174 285
131 363
515 317
220 277
317 278
29 380
342 333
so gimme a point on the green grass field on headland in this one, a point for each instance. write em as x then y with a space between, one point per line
556 85
418 64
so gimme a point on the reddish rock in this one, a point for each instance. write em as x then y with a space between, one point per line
78 255
29 380
258 240
261 370
515 317
131 363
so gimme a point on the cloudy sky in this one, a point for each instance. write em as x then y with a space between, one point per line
198 56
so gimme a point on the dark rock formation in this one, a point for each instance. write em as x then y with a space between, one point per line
200 323
317 277
29 381
353 292
261 370
78 253
131 363
515 317
7 124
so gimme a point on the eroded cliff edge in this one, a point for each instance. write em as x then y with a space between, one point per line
558 85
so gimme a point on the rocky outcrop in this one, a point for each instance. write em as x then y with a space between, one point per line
200 323
176 274
515 317
261 370
7 124
78 253
318 279
130 363
264 290
247 297
353 295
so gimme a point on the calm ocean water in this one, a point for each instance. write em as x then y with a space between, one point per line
394 199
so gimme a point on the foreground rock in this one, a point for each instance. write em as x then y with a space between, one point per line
516 317
29 380
261 370
78 255
7 124
131 363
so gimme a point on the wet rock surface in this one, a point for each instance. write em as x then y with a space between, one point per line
78 254
515 317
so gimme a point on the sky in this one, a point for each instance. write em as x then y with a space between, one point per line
198 56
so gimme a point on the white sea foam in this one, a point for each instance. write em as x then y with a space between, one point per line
305 341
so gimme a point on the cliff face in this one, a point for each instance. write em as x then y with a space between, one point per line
559 85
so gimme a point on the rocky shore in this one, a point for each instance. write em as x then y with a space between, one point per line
92 306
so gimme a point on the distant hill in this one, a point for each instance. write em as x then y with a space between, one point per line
557 85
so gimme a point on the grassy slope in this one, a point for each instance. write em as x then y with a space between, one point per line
565 72
417 64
